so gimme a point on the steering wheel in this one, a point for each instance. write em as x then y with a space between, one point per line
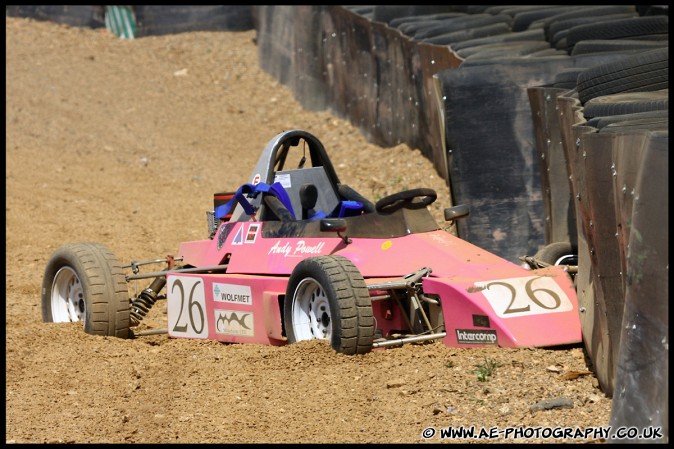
405 199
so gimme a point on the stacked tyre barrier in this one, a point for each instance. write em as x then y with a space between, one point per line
607 133
550 122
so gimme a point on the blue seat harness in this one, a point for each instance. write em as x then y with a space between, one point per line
344 209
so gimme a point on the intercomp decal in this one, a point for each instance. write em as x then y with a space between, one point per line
234 322
532 295
476 337
186 307
235 294
300 248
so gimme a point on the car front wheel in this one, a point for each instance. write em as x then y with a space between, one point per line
327 298
84 282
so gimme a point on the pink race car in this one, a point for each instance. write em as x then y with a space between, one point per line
297 255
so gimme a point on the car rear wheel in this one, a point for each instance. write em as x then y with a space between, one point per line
84 282
558 253
327 298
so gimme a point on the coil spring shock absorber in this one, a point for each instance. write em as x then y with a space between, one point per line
145 300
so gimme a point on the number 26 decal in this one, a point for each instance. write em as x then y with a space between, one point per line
186 307
525 296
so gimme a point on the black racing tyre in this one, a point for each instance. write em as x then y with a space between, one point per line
529 35
649 124
560 44
386 13
601 122
585 11
558 253
559 37
626 103
400 22
472 33
410 29
504 49
405 199
522 20
471 9
641 72
605 45
560 29
548 52
327 298
618 29
561 25
569 75
553 252
565 86
84 282
462 24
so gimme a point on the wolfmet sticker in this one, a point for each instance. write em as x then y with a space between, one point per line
476 337
235 294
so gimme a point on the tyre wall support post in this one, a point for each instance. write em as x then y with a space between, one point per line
641 396
493 164
628 153
560 225
592 313
599 222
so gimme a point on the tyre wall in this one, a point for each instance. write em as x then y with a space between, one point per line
620 197
90 16
149 19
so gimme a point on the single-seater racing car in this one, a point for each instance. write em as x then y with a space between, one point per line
297 255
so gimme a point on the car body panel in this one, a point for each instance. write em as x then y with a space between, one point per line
476 297
224 307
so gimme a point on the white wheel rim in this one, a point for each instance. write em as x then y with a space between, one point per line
67 297
311 312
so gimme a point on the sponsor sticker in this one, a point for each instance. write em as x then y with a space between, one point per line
284 179
298 249
234 322
238 238
256 179
235 294
481 321
476 337
223 233
251 235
